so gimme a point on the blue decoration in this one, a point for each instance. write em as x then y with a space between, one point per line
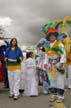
62 36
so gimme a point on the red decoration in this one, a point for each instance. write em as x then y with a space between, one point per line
51 30
1 71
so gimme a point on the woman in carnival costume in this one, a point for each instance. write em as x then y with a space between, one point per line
57 58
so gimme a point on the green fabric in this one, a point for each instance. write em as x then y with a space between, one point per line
58 49
13 64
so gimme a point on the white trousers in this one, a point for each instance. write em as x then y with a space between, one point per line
14 82
45 87
58 82
69 76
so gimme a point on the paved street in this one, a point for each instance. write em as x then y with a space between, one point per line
31 102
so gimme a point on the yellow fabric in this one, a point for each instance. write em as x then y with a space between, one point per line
56 44
64 30
53 71
51 52
67 43
68 59
13 67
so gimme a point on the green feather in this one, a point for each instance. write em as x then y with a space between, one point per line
69 22
49 25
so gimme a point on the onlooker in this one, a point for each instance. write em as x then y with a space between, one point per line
3 71
13 57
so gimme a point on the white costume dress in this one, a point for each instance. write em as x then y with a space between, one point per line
58 81
31 80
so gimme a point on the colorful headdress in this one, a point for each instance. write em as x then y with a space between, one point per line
51 31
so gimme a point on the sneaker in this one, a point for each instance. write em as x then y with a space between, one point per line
69 88
53 98
11 96
60 100
45 92
16 97
34 96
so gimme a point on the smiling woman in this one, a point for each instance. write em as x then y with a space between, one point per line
13 58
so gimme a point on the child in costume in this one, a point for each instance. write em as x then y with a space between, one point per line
31 78
43 67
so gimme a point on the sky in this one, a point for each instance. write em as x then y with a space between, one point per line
28 16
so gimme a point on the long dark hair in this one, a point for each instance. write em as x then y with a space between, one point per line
29 54
42 49
16 46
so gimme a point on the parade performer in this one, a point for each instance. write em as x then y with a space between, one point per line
43 69
13 58
57 58
1 61
1 71
67 44
3 46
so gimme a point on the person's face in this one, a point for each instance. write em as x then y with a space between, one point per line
52 38
41 52
14 42
32 55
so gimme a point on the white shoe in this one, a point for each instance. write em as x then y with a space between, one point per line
11 96
45 92
16 97
60 99
53 98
